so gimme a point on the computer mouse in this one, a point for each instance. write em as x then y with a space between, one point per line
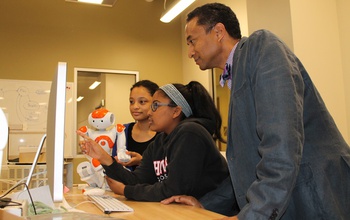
94 191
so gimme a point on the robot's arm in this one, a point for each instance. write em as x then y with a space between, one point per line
121 144
121 140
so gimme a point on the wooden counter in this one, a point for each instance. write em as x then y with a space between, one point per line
142 210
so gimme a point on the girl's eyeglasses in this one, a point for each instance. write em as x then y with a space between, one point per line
155 105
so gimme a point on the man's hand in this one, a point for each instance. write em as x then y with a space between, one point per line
190 200
183 199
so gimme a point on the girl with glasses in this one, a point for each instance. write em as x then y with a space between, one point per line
183 158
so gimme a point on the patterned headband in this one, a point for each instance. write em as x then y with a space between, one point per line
178 98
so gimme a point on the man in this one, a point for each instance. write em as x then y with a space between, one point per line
286 157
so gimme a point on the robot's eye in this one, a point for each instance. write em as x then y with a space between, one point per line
102 121
93 120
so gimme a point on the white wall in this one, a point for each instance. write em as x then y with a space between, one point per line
317 44
343 8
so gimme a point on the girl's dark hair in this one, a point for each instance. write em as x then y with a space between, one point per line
149 85
210 14
202 105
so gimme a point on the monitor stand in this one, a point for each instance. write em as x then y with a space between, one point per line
35 161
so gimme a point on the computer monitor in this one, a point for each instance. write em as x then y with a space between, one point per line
55 133
3 135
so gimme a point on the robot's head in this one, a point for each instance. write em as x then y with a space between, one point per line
101 119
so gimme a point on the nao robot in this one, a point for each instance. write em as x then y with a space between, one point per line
101 119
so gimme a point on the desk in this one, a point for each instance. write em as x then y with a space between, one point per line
142 210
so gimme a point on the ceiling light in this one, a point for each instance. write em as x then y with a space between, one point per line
80 98
94 85
108 3
176 8
92 1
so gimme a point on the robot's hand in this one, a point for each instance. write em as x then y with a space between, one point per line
122 156
83 129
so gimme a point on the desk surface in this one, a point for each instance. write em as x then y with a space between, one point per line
142 210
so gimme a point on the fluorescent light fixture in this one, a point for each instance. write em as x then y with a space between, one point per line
92 1
80 98
175 9
94 85
108 3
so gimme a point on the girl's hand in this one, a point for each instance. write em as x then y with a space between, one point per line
115 186
135 159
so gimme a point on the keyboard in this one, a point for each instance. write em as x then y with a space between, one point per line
109 204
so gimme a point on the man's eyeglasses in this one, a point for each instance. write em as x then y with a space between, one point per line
155 105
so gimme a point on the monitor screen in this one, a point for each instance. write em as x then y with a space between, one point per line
3 136
55 133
